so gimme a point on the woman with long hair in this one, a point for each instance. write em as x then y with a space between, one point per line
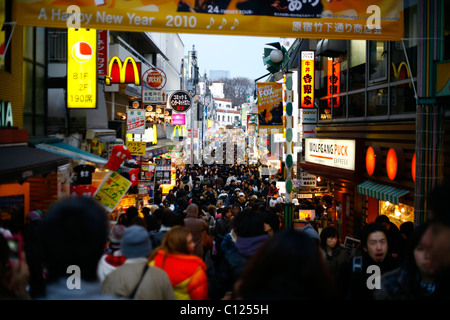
186 272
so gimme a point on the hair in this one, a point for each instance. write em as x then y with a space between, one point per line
292 268
327 232
248 223
382 219
407 228
73 232
409 262
272 219
174 241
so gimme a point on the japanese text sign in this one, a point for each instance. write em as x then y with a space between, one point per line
111 190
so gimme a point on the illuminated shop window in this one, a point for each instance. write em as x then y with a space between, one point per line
398 214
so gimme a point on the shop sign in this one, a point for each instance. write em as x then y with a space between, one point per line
178 119
112 189
136 148
6 116
307 80
154 96
308 180
333 153
333 82
155 78
102 52
135 104
136 121
128 71
413 167
180 101
81 68
308 115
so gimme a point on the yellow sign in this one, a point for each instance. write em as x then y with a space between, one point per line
81 68
179 131
350 19
136 147
270 107
111 190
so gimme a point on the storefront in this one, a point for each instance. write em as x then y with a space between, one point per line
341 162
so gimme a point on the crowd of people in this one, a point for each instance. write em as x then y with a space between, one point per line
216 236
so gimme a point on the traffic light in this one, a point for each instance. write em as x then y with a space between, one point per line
276 59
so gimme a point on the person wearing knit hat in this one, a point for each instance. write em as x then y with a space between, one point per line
115 236
135 279
135 242
114 258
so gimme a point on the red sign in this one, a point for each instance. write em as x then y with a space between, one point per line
333 82
127 72
155 78
102 52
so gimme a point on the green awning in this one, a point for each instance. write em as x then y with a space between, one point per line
381 191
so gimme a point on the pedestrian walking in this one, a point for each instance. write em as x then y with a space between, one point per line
196 226
135 279
186 271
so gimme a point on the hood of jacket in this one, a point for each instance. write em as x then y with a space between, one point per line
247 246
192 211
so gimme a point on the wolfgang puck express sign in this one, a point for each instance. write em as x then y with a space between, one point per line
333 153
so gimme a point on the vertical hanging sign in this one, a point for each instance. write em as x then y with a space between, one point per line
333 82
81 68
102 52
307 81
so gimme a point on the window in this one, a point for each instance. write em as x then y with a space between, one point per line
378 54
357 65
34 84
377 102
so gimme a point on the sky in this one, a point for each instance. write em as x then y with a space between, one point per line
240 55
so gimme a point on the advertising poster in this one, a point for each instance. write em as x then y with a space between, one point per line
111 190
136 121
270 107
314 19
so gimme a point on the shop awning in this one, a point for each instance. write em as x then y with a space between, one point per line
67 150
381 191
163 146
18 163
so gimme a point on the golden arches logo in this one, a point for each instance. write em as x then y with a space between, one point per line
119 72
396 71
179 131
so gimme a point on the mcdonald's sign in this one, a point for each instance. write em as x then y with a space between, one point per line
179 131
127 72
398 74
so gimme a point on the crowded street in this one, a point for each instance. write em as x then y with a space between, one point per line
145 155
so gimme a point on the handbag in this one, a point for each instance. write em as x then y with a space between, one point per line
139 282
